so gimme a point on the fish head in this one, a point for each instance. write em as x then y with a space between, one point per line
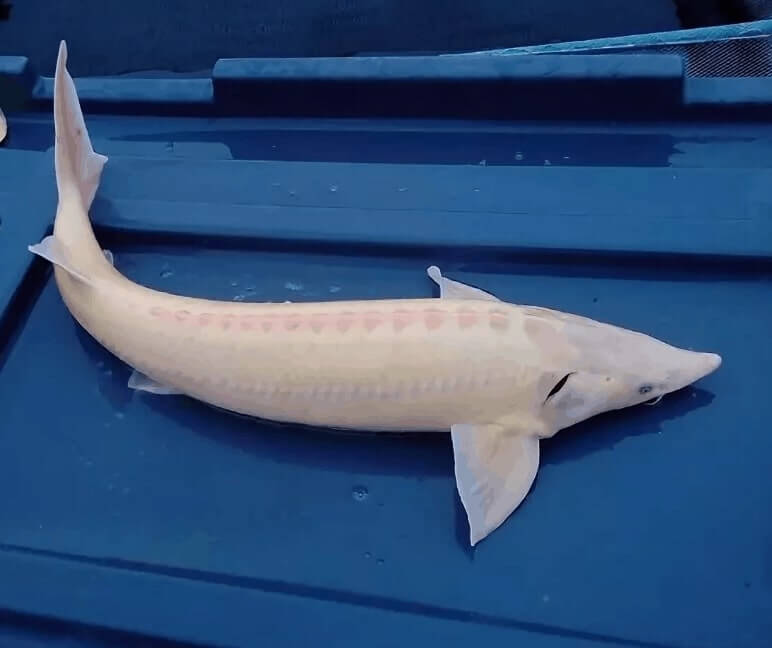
609 368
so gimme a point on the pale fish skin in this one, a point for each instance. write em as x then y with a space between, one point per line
3 127
498 377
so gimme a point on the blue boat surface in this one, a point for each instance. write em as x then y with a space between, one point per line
607 185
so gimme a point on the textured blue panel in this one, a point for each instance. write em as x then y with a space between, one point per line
566 209
127 513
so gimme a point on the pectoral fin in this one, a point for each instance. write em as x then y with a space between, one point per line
141 382
495 468
450 289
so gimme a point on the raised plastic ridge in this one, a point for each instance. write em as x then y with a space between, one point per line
560 86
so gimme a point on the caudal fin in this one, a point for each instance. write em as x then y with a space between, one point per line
73 246
78 167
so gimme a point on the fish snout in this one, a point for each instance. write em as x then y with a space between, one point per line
696 366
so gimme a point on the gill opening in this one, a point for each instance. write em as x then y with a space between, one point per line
560 384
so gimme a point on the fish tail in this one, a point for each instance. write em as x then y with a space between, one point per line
78 167
73 245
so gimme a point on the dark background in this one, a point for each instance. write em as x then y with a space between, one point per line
190 35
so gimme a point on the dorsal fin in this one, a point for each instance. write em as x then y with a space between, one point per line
450 289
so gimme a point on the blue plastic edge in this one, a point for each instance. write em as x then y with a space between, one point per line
751 29
202 608
129 95
17 80
441 87
594 86
28 202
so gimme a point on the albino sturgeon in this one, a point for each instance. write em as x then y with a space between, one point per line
497 376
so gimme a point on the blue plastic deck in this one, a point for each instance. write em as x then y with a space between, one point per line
142 516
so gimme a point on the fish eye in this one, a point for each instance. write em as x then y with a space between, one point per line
560 384
645 389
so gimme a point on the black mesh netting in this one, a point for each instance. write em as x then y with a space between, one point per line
737 57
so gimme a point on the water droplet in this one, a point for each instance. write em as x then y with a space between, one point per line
251 288
292 192
120 415
333 188
239 298
379 561
476 189
483 162
566 157
359 493
234 283
335 289
293 285
368 555
273 147
166 273
402 189
519 156
547 163
546 598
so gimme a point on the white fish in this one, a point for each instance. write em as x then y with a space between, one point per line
496 376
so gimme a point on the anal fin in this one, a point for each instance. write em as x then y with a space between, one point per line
495 467
141 382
